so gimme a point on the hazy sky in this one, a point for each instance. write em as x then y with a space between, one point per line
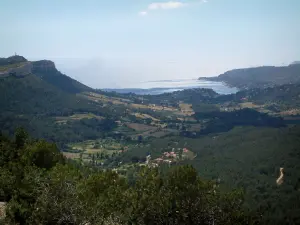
113 42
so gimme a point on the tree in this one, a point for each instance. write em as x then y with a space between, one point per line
140 138
42 154
20 137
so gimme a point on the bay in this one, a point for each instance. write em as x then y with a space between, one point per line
165 86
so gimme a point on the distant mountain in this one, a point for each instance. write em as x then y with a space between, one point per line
295 62
260 77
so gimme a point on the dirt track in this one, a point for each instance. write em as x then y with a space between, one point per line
2 209
279 181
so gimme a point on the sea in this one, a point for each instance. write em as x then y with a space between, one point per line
166 86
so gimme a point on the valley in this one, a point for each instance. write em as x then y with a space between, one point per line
238 140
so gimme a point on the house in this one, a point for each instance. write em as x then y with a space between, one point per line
158 160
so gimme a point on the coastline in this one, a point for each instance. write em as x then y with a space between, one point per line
160 87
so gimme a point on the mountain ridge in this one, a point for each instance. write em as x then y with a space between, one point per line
262 77
19 66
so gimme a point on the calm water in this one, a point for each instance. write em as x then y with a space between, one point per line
163 86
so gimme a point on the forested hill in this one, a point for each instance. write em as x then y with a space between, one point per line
260 77
18 66
286 96
35 95
41 90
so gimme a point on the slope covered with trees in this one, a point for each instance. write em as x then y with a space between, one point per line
248 158
35 101
47 71
40 187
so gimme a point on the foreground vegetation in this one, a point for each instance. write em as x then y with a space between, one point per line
41 187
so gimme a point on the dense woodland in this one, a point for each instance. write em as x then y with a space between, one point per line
248 158
284 96
41 187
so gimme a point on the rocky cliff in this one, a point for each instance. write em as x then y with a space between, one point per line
43 66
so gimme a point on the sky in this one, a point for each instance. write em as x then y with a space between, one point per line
114 43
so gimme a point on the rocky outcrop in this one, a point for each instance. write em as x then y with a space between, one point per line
12 60
43 66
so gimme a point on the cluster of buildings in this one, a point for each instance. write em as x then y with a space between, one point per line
167 157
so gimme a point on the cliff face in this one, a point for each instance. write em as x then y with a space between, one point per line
44 69
23 70
43 66
16 66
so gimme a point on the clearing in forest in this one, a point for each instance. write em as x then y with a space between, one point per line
145 116
186 109
140 127
79 116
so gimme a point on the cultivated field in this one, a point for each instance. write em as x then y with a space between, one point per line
140 127
87 149
145 116
64 119
186 109
291 112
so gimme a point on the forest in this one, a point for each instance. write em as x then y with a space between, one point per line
41 187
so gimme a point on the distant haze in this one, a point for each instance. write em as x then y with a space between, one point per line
109 43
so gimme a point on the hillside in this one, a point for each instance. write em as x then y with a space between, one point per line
47 71
37 99
260 77
239 140
278 99
247 158
250 158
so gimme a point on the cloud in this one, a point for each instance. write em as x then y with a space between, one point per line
166 5
143 13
